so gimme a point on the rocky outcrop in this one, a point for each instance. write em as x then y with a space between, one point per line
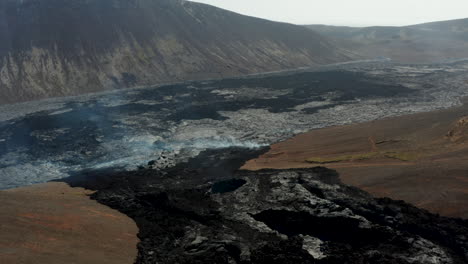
460 130
204 211
56 48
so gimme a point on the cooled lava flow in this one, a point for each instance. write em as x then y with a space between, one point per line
207 211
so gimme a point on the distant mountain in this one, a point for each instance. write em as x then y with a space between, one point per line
66 47
454 26
424 43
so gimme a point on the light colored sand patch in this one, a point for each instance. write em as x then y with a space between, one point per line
62 111
54 223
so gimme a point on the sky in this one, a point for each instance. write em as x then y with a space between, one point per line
348 12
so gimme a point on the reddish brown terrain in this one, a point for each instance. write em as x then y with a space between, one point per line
420 158
54 223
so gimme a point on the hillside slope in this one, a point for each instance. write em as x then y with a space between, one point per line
424 43
56 48
418 158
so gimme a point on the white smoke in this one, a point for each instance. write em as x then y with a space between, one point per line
215 143
132 152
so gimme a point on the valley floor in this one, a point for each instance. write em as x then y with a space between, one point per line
418 158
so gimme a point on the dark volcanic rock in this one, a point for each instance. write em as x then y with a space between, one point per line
204 211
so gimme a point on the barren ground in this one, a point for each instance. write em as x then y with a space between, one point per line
420 158
54 223
160 127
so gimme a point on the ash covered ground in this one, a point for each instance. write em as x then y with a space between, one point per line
165 125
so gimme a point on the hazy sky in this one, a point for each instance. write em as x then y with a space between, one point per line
348 12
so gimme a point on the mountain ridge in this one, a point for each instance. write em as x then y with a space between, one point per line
431 42
55 48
